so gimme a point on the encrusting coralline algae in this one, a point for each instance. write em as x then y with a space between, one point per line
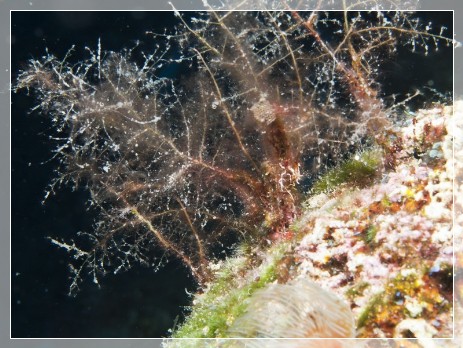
387 249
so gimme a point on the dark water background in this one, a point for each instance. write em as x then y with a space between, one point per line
140 302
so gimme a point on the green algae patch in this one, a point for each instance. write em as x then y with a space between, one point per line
357 171
370 234
216 309
370 310
356 290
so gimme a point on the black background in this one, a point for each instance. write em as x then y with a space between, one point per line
140 302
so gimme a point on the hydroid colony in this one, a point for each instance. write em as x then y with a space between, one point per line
195 164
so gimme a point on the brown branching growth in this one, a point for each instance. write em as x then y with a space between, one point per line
185 164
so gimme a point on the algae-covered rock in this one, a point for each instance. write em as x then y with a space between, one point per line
378 254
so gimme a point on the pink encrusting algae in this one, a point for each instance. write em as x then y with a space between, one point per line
387 248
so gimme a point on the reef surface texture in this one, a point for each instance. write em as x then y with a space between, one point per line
368 261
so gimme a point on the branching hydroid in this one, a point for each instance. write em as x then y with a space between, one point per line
194 163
